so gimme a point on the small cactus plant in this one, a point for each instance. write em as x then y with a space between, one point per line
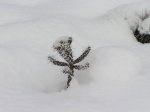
63 47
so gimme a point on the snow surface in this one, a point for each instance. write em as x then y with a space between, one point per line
118 79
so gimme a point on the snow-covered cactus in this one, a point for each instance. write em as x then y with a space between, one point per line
142 32
63 48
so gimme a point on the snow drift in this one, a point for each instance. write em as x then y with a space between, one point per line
118 78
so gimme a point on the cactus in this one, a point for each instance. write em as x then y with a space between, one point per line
63 48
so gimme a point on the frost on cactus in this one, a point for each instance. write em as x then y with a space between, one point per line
142 32
63 48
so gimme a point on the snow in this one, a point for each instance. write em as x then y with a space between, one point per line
114 63
144 27
118 77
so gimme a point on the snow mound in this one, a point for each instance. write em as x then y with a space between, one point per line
114 63
18 69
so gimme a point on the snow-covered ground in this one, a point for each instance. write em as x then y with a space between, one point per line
118 79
